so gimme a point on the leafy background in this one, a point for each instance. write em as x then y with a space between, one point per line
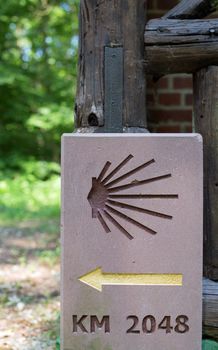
38 69
38 45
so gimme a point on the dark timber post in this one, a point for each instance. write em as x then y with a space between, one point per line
206 123
111 84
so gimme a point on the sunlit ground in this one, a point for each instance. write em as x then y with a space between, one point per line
29 263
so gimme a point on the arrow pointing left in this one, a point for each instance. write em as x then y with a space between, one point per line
97 279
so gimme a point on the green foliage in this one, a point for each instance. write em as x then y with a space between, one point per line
209 345
23 197
50 257
58 344
38 45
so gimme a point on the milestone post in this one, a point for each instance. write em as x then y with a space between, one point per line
128 237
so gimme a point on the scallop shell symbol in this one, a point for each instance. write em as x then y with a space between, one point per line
106 193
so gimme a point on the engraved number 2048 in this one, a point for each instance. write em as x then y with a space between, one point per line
150 325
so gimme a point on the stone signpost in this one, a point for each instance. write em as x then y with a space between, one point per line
132 209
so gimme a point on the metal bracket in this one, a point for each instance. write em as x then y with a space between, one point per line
113 75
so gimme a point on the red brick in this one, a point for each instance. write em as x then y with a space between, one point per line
166 4
183 83
168 128
175 115
170 99
189 99
163 83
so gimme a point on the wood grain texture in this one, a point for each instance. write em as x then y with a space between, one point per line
210 308
180 46
184 58
172 31
206 123
190 9
111 23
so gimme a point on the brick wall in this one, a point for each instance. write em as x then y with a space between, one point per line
170 99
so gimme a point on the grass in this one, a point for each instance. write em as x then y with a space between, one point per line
29 195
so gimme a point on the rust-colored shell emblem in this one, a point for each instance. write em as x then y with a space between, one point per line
106 193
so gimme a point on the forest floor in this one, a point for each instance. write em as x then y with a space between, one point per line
29 286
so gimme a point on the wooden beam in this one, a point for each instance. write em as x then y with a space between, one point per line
210 308
191 9
180 46
185 58
206 123
113 24
169 32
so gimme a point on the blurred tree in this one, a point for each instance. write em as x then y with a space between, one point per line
38 46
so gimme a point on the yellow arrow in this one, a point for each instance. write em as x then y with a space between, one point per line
96 279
